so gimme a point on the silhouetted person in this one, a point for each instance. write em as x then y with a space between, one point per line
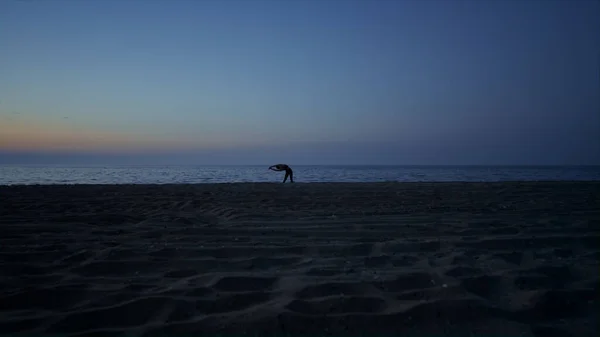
287 169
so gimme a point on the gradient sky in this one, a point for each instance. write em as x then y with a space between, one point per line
302 81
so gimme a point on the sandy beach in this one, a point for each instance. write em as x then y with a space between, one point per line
460 259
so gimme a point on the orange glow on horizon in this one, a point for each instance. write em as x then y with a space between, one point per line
28 135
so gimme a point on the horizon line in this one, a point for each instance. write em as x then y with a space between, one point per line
301 165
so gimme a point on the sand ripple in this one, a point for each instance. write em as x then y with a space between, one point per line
438 258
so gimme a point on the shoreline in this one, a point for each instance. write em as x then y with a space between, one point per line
391 182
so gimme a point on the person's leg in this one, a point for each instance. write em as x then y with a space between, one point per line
286 176
291 176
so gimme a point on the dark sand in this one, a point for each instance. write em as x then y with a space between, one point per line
460 259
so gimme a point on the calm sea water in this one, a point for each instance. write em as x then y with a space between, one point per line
10 175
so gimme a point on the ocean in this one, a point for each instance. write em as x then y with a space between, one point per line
32 174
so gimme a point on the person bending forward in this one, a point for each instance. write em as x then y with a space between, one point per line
287 169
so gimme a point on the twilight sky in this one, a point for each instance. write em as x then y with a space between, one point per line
301 81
